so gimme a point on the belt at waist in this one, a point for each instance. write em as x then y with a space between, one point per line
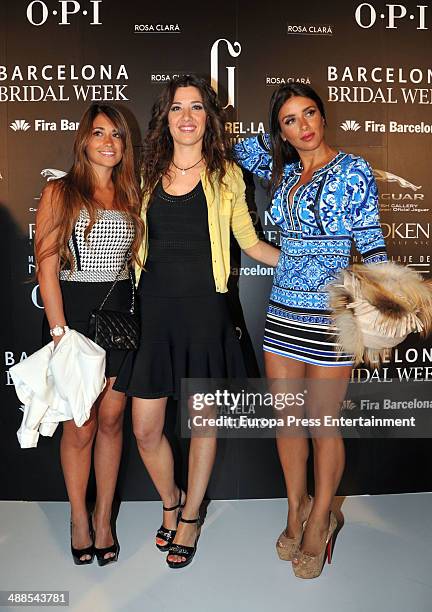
93 276
322 245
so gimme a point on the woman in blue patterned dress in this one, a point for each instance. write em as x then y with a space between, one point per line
323 200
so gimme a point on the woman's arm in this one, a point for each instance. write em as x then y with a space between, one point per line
264 252
367 233
48 268
243 228
253 154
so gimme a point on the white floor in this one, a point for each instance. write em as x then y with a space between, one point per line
382 560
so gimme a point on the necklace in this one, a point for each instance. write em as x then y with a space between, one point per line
183 170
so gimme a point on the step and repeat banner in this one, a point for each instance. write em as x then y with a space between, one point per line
369 61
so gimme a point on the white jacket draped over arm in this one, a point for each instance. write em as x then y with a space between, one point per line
58 384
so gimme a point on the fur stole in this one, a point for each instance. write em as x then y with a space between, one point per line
376 306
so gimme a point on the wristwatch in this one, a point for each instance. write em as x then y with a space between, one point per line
58 330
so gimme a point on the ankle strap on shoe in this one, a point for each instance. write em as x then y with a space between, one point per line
170 509
191 521
179 505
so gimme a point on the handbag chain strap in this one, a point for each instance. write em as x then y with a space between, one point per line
132 308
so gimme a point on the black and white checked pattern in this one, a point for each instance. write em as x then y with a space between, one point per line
102 255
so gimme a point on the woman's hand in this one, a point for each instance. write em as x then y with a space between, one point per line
264 252
57 339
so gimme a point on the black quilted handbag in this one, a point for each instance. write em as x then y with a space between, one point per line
112 329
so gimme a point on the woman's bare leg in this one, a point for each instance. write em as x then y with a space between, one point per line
288 376
148 417
107 454
202 453
75 454
326 390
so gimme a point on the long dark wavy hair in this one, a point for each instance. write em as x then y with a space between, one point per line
282 152
158 143
76 189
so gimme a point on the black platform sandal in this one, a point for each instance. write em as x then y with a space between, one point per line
184 551
101 552
168 534
113 548
77 553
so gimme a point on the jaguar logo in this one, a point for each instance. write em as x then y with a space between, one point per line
51 174
382 175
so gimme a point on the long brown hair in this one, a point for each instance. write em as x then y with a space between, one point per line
158 143
282 152
76 189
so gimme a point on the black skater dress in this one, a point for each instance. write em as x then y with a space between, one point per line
186 329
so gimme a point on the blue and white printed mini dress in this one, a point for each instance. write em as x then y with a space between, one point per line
337 206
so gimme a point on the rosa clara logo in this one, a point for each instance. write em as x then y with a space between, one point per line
20 125
310 29
158 28
38 12
350 125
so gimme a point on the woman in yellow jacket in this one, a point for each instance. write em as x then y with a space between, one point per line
193 198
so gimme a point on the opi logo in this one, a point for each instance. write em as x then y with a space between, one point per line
234 50
350 125
366 15
38 12
20 125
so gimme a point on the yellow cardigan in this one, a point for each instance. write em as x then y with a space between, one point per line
227 210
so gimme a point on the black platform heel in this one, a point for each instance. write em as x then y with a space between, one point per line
184 551
168 534
77 553
113 548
